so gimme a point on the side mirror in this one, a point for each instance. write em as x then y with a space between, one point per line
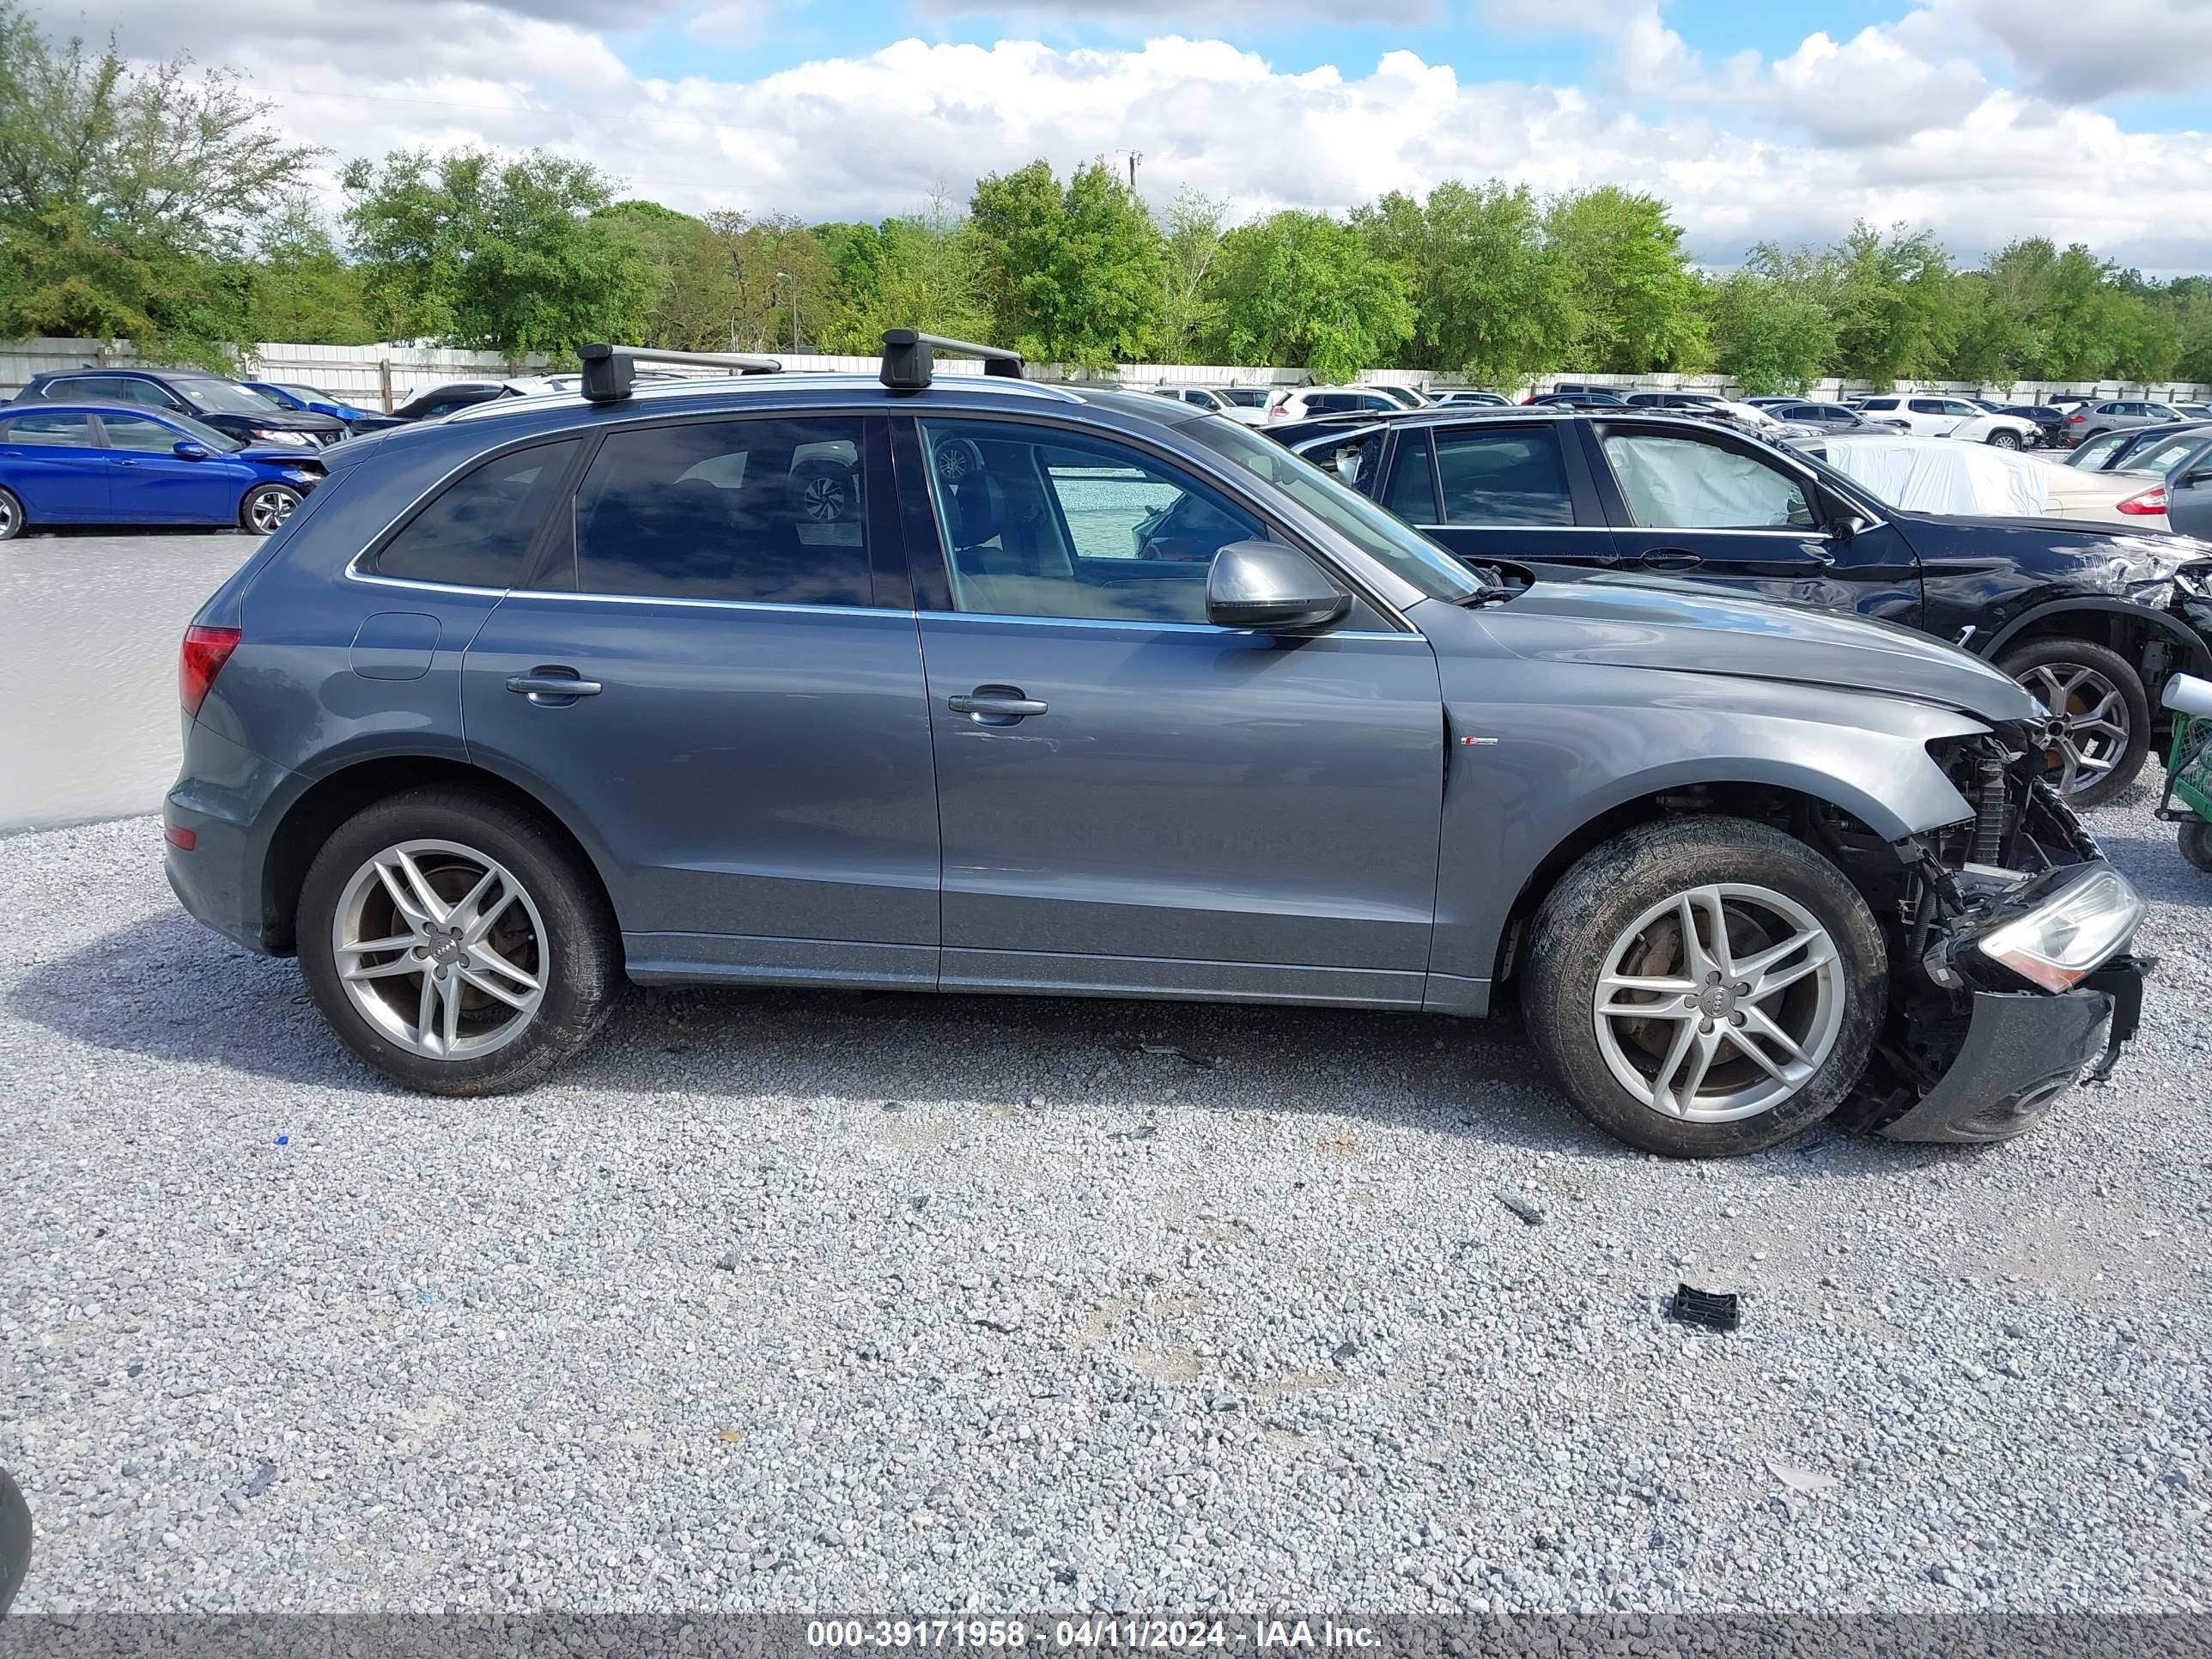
1267 585
187 449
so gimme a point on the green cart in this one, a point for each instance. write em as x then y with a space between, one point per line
2188 768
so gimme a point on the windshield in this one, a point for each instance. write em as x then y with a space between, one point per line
227 397
221 442
2162 458
1409 556
307 394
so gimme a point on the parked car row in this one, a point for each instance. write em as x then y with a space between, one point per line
1742 866
2093 617
131 446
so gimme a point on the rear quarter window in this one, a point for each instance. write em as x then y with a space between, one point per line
478 531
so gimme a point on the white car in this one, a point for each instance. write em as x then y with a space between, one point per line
1951 418
1925 474
1205 398
1470 398
1296 403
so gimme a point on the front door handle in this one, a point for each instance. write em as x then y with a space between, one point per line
997 703
554 688
1670 558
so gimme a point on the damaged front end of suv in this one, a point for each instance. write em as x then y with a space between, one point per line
2011 970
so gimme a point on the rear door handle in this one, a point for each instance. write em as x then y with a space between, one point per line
1670 558
997 703
554 687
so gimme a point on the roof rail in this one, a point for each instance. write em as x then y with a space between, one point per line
908 358
609 370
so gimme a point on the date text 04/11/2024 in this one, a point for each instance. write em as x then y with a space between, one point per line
1124 1632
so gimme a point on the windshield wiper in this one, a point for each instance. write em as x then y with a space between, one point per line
1489 589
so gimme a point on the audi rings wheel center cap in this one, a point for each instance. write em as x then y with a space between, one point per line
449 952
1717 1001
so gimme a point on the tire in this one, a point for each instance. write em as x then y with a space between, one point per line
2089 764
1620 909
555 932
2196 839
2004 441
265 508
11 516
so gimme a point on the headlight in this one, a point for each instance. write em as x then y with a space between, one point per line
2069 936
2144 571
298 475
277 437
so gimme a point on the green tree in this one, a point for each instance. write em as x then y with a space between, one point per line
1634 296
301 291
1076 271
1491 295
1190 307
780 277
922 270
692 295
128 195
1893 305
1302 290
1767 334
495 255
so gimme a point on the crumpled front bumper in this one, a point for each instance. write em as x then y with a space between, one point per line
2023 1051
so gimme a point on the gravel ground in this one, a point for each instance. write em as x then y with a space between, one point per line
798 1302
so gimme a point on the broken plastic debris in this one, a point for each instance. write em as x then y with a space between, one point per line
1526 1208
1717 1310
1805 1481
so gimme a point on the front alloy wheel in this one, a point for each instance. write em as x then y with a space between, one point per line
267 508
1719 1002
2004 441
2100 720
1703 987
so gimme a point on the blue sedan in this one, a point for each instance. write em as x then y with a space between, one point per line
87 464
291 394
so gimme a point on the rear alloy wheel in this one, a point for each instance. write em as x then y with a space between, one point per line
266 507
1704 986
455 944
2004 441
2100 714
11 517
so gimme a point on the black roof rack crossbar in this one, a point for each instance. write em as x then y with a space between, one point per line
908 357
609 370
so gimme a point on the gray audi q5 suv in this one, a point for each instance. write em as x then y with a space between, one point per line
971 685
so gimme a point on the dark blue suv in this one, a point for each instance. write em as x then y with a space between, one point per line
230 408
973 684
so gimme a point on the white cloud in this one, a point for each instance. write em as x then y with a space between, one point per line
1148 12
1884 126
2079 52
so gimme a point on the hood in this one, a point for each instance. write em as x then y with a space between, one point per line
1656 622
278 455
283 420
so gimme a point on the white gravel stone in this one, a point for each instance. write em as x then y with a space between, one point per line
699 1323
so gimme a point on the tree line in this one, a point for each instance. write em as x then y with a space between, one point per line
161 206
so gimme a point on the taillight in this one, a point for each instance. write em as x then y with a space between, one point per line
2076 418
204 652
2149 505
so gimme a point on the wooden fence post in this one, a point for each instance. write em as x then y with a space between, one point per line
383 381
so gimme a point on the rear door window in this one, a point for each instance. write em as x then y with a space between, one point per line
479 530
56 431
1680 483
766 512
1492 475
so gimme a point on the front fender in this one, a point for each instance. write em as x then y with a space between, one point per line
2196 657
1539 751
